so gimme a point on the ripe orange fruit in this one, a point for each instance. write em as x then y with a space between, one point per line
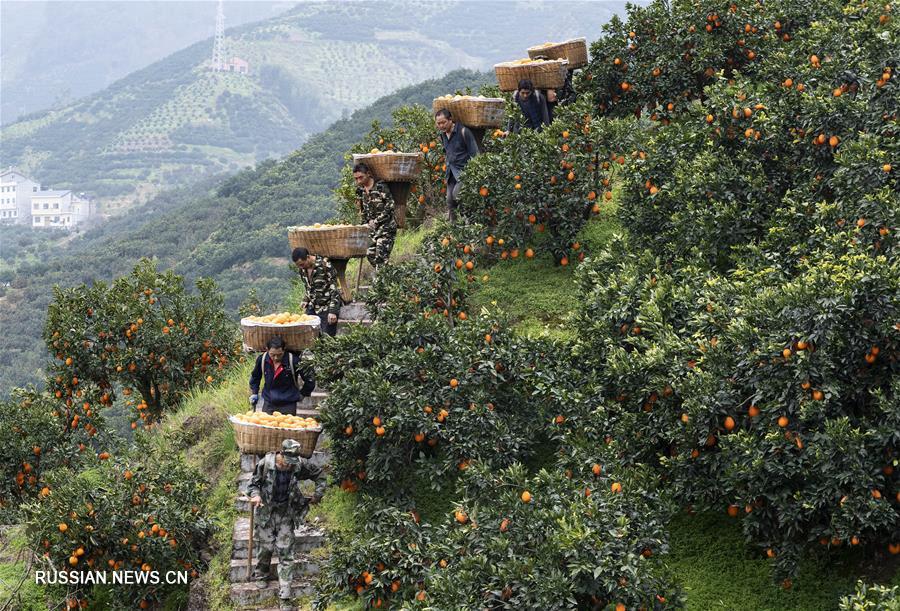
783 421
596 469
348 431
63 527
564 261
454 383
419 437
886 167
786 353
437 268
818 395
529 254
861 223
483 191
616 487
833 141
504 525
729 423
526 497
461 516
376 421
459 263
733 511
470 265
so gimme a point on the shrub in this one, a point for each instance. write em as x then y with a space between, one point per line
135 512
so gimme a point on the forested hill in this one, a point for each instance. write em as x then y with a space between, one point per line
229 231
177 120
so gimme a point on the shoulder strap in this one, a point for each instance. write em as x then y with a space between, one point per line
262 364
293 370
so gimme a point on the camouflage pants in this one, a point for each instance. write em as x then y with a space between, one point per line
276 534
380 247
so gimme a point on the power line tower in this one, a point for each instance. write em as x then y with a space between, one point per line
218 56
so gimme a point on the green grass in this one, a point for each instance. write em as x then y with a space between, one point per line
13 565
538 295
719 571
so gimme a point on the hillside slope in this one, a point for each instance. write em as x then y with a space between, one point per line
176 120
228 231
96 43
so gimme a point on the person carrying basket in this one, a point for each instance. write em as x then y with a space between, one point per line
280 508
287 379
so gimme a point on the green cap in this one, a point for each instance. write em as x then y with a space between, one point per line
290 449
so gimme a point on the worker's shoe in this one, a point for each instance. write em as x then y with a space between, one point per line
260 582
285 604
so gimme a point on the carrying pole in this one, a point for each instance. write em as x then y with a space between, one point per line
250 544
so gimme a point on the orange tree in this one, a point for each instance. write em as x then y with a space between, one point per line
451 261
144 334
33 441
136 512
423 399
550 541
530 183
729 134
795 375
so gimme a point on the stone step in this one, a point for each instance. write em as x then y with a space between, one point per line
247 595
314 399
353 311
306 538
304 566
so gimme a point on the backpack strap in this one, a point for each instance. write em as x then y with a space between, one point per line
262 364
293 369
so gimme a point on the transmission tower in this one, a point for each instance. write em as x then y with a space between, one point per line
218 56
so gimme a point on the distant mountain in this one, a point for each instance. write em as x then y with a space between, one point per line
233 230
56 52
176 121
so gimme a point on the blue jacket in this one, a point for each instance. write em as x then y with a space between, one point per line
282 390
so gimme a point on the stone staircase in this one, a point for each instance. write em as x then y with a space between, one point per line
308 537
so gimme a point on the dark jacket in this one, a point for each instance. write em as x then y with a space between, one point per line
458 149
282 390
535 109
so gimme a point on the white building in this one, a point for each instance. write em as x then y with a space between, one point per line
59 209
16 191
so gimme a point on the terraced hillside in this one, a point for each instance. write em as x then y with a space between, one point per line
176 120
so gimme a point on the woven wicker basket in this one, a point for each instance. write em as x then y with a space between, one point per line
296 336
574 50
332 241
549 74
392 167
472 111
259 439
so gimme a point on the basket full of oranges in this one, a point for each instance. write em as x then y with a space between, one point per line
259 432
298 331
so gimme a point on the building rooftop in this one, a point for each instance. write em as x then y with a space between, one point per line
50 193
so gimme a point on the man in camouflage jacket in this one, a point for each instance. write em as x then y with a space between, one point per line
280 509
376 206
323 297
